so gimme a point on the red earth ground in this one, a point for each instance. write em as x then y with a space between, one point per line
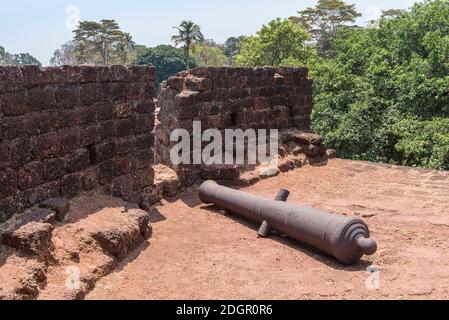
201 252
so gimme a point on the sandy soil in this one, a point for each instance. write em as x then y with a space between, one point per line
198 252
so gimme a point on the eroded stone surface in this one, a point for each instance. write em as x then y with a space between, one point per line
21 276
65 260
30 238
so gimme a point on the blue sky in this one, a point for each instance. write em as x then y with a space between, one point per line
39 27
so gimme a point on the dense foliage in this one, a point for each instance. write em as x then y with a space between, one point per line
232 47
280 42
168 60
208 56
385 95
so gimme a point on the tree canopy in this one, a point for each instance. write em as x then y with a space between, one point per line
232 47
207 56
324 20
25 58
101 42
168 60
278 43
385 96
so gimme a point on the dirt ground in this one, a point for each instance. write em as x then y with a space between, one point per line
199 252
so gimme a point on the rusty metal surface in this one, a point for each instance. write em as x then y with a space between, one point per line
345 238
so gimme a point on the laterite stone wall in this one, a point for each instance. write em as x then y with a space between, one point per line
65 130
227 98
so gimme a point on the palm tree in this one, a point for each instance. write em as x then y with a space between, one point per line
189 34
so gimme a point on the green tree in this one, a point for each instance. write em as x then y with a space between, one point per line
206 56
324 20
101 37
17 59
423 142
385 95
25 58
168 60
278 43
189 35
232 47
125 47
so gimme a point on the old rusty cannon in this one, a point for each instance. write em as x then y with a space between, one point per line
345 238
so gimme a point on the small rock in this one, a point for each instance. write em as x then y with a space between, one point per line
311 150
60 205
268 172
368 215
143 218
112 241
32 238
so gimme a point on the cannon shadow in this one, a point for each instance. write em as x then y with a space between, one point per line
316 254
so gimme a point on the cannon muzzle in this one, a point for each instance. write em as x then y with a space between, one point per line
345 238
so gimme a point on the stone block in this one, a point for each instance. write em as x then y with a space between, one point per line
8 183
91 179
53 169
47 145
77 160
31 175
71 185
103 152
123 128
32 238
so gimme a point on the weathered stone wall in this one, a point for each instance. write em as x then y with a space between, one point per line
65 130
226 98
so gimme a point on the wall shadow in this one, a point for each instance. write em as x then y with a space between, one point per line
189 197
156 216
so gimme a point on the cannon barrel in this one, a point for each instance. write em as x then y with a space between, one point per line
345 238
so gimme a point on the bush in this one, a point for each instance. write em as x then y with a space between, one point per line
388 89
